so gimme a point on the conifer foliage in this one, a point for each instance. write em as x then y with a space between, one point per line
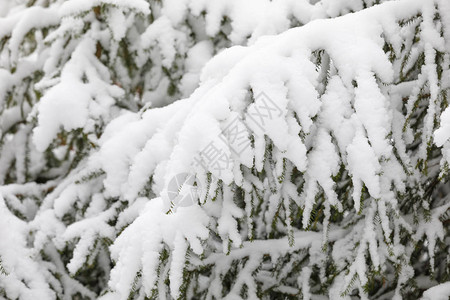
209 149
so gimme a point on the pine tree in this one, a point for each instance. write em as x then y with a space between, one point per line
224 149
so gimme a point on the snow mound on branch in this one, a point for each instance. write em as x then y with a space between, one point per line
439 292
275 75
72 102
21 276
139 246
279 67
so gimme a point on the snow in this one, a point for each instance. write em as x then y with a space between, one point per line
323 165
291 135
73 7
439 292
306 273
442 134
35 17
197 56
354 110
73 110
19 261
117 19
227 224
139 245
433 230
88 231
164 36
70 112
361 154
371 107
177 265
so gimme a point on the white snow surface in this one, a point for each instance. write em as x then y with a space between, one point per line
354 121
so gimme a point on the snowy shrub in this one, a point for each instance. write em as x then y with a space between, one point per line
200 149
